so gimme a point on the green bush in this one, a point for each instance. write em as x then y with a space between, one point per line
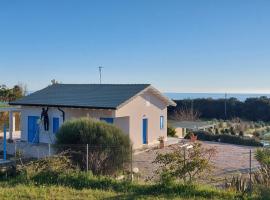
109 147
231 139
263 174
184 165
232 131
48 168
171 131
241 134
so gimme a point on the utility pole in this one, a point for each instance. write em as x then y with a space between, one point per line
225 106
192 110
100 68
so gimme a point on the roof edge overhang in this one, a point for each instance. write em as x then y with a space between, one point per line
168 101
64 106
162 96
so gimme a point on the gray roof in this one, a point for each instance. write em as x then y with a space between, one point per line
107 96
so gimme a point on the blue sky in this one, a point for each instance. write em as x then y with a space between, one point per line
178 46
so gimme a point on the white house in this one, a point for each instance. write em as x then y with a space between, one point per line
139 110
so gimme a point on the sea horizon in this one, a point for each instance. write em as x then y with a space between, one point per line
194 95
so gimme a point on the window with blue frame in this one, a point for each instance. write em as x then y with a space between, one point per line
161 122
107 119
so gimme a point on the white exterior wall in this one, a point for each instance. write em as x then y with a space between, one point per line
147 106
49 137
129 118
44 137
122 123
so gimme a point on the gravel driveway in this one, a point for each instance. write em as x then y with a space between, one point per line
229 159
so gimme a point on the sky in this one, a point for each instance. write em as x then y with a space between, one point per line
176 45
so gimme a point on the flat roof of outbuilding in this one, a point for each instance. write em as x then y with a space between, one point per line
191 124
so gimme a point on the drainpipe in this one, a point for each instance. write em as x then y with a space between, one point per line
63 113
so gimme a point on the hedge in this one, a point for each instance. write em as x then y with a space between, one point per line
226 138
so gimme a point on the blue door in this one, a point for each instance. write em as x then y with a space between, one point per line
55 124
33 129
145 130
107 119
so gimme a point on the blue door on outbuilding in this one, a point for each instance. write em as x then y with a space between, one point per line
33 129
145 130
55 124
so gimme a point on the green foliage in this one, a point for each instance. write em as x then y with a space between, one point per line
50 176
74 184
232 131
171 131
92 132
188 135
225 138
48 167
252 109
261 192
263 175
238 183
186 165
241 134
33 191
109 147
11 94
256 134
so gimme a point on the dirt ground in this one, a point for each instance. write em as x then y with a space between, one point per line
229 160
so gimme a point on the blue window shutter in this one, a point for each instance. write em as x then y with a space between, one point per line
55 124
107 119
161 122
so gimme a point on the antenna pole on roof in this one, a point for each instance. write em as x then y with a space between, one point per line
225 106
100 68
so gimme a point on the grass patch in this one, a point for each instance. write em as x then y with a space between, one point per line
57 178
85 185
52 192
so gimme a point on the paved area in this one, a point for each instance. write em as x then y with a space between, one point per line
229 159
15 135
27 150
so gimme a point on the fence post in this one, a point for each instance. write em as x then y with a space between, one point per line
49 149
87 156
184 162
15 149
5 142
38 152
131 164
250 181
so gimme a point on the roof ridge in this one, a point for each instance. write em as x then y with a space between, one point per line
102 84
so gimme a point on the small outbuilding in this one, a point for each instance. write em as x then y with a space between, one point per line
139 110
182 127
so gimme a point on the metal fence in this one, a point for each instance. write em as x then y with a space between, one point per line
98 159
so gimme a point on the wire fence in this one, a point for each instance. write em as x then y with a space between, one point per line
229 160
105 160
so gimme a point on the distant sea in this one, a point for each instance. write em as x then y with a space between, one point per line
240 97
